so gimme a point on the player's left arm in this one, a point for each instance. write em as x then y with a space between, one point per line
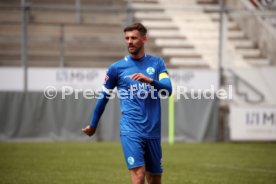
164 82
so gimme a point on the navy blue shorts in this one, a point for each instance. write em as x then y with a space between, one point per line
139 151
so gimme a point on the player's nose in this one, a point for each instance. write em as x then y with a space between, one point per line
129 41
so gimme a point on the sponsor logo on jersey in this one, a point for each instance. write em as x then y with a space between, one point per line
140 86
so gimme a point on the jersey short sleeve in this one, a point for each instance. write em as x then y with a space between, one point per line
162 66
111 78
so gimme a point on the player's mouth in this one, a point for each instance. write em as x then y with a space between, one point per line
131 48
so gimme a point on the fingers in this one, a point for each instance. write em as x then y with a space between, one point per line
87 130
84 130
136 76
141 77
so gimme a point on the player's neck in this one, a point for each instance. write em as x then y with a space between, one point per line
139 55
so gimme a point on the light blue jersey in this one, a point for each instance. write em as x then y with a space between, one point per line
141 114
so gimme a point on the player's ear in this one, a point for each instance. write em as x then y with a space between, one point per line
145 39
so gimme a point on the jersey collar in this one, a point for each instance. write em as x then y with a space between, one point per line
130 58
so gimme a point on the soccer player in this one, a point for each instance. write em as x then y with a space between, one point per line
140 79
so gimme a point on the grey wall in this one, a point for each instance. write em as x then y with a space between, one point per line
30 116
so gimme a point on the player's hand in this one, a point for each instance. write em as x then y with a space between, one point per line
89 130
141 77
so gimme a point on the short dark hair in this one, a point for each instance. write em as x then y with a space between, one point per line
137 26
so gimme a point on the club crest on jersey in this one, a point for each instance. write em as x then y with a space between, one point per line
150 70
130 160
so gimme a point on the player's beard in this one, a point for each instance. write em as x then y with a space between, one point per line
135 51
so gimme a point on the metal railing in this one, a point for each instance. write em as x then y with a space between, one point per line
237 80
25 8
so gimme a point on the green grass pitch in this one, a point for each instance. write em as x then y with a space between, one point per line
93 162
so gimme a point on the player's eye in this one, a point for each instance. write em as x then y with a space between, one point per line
134 38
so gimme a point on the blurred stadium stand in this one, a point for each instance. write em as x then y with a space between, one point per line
196 23
58 36
63 33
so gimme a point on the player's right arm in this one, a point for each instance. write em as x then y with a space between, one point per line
110 83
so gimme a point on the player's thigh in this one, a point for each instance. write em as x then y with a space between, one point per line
133 149
153 157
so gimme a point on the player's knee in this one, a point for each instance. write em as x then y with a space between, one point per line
140 179
138 175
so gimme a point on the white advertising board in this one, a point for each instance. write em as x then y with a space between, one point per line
252 123
77 78
11 79
195 78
